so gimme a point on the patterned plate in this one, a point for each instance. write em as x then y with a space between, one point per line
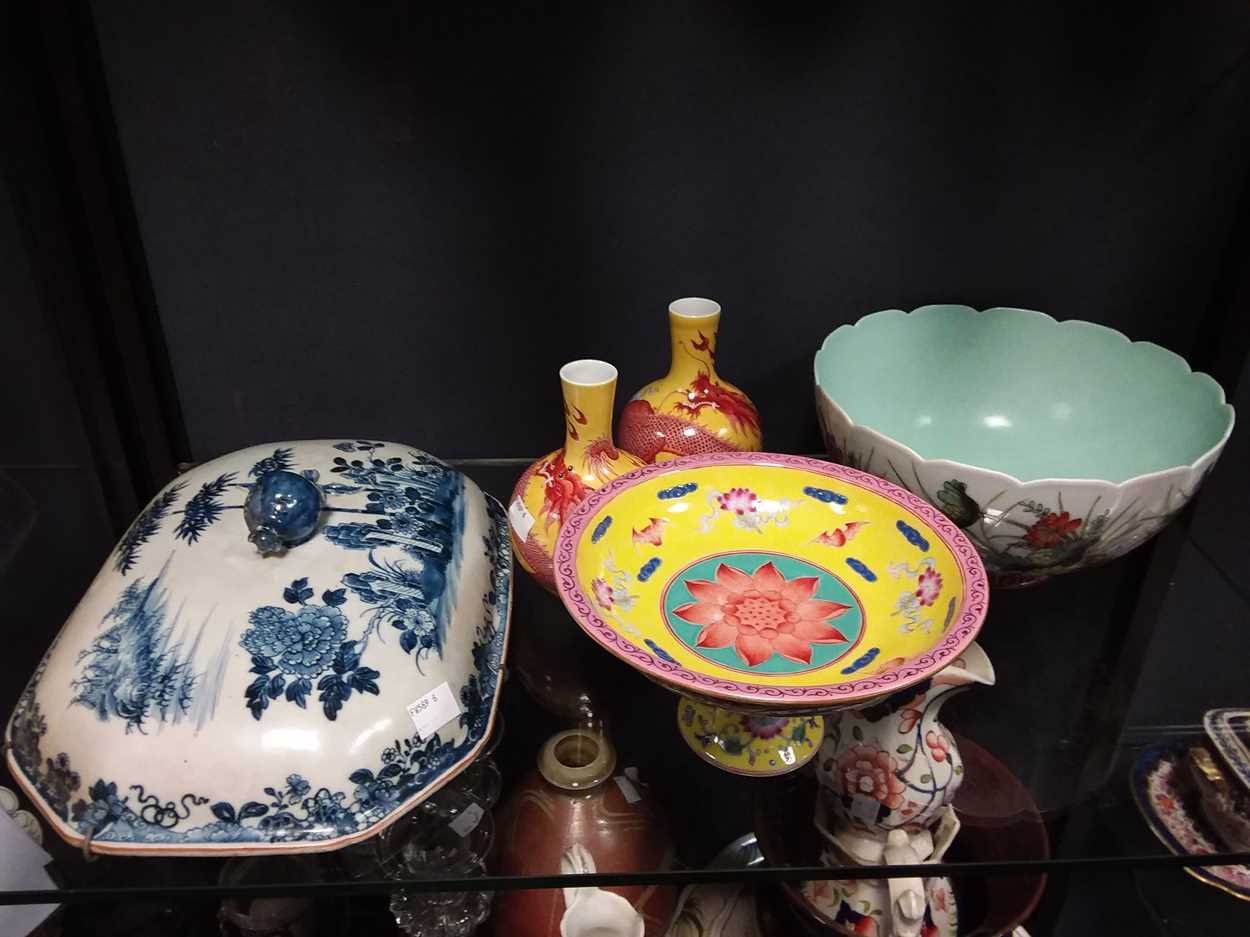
770 580
1156 791
1229 731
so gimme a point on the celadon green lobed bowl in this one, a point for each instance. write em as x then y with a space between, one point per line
1054 445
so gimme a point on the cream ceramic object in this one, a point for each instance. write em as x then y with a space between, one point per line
26 820
889 907
921 907
717 909
204 698
1054 445
591 911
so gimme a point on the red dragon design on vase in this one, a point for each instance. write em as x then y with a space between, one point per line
573 417
563 490
601 455
655 437
736 406
673 416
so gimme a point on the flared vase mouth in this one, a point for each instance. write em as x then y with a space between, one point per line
694 308
588 372
577 760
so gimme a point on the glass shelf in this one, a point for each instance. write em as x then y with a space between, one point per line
1093 669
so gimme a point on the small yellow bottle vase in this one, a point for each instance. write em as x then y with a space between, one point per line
691 410
548 490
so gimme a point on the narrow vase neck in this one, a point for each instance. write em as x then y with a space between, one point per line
589 391
577 760
692 325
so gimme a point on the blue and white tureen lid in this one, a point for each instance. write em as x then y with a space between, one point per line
292 646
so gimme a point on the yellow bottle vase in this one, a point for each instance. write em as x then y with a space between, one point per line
548 490
691 410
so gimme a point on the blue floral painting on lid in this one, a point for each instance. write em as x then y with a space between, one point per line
317 647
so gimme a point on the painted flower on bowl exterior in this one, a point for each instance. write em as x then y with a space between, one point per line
1027 530
194 700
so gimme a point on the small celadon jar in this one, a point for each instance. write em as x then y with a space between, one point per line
690 411
548 490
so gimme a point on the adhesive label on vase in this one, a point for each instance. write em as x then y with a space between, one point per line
434 710
628 791
522 520
865 809
467 820
761 612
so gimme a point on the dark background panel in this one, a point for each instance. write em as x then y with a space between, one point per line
397 221
79 452
55 528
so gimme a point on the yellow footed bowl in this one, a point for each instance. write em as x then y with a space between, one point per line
770 580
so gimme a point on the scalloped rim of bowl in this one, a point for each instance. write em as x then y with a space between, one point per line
1175 471
702 686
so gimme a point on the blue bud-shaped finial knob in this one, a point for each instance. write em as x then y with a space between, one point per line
281 510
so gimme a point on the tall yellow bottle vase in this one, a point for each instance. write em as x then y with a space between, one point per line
548 490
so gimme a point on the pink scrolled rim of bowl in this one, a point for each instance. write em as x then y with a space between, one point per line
974 605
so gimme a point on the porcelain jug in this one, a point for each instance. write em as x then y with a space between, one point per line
891 765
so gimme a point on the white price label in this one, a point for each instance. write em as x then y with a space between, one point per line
522 520
627 789
467 821
434 710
